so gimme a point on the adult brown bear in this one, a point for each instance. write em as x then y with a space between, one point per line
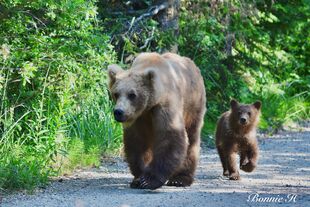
161 102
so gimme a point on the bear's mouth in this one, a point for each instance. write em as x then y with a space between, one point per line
120 118
243 123
119 115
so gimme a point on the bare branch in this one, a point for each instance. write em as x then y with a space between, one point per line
151 12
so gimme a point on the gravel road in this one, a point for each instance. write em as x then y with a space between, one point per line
281 179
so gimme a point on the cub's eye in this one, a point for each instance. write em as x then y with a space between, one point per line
116 95
249 113
239 113
132 96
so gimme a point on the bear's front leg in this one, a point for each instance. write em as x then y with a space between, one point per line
169 149
251 157
134 148
223 158
232 166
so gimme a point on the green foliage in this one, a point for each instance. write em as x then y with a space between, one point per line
267 59
53 89
246 50
93 123
78 156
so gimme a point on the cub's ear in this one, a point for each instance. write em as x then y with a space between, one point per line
233 103
150 75
112 72
257 105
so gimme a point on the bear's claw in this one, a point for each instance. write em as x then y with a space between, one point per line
135 183
234 176
152 184
175 183
180 181
225 173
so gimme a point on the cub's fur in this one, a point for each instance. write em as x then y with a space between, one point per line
236 133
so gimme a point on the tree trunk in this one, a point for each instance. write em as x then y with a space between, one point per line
169 18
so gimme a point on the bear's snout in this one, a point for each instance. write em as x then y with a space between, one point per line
119 115
243 120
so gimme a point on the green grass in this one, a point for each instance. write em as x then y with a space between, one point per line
42 141
30 157
280 110
93 132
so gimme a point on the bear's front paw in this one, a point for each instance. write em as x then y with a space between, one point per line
150 182
135 183
225 173
234 176
248 167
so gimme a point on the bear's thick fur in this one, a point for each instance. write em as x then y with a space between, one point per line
161 102
236 133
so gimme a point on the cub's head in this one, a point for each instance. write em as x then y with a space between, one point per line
131 92
245 114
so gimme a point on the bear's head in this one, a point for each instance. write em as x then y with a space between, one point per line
245 115
132 92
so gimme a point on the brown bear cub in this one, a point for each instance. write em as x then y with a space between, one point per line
161 102
236 133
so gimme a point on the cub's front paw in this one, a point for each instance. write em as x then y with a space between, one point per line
248 167
150 182
225 173
234 176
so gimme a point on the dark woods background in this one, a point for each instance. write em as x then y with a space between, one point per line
55 114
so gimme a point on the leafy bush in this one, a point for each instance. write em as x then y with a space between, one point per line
53 89
248 51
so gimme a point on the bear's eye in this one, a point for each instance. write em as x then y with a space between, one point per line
132 96
116 95
249 113
239 113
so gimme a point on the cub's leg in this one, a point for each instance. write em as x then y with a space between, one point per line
232 165
249 158
223 158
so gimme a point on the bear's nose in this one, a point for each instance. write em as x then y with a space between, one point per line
119 115
243 120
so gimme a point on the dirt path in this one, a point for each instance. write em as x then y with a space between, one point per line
283 170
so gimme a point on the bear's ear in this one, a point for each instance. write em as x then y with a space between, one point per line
257 105
149 75
233 103
112 71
